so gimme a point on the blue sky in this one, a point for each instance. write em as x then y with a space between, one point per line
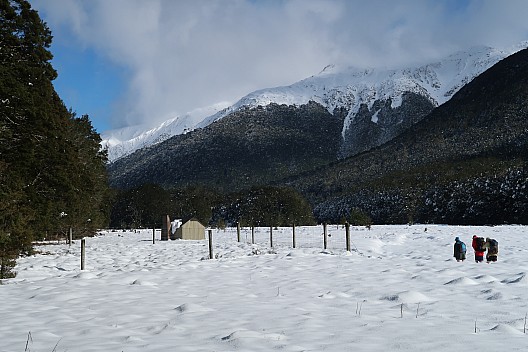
87 83
130 62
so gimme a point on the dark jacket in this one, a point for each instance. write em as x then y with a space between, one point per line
478 251
458 249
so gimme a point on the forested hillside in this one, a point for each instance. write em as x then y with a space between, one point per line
52 171
251 147
465 163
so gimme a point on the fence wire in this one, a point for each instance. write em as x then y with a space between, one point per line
305 236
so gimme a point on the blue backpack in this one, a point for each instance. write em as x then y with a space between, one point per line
462 247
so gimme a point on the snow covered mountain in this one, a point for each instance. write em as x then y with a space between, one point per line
124 141
374 96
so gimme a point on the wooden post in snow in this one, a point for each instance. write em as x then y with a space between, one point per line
154 235
347 229
293 233
238 231
325 234
165 228
70 237
210 244
271 236
252 234
83 253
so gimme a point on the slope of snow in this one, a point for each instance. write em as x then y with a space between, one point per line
399 289
124 141
337 87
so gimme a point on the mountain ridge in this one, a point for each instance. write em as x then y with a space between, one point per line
345 90
463 163
470 153
250 146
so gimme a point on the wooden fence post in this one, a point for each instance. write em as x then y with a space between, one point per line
83 253
293 239
165 228
154 235
210 244
325 235
271 236
70 236
238 231
347 229
252 234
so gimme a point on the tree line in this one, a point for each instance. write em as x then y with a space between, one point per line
144 206
52 169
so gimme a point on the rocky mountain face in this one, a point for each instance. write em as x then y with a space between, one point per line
372 127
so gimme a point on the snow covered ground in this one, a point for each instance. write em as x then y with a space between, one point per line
398 289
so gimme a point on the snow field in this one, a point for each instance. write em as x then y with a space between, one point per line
139 296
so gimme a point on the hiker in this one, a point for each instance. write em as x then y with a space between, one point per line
492 247
460 250
478 247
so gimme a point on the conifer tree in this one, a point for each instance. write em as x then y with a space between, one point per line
50 161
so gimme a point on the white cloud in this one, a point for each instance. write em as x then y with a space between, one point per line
186 54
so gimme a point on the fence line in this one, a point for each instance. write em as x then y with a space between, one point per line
332 237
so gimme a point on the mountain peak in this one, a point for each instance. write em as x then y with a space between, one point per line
337 88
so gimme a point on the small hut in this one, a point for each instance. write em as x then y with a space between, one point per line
191 230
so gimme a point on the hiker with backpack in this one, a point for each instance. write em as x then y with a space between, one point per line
459 250
492 247
478 247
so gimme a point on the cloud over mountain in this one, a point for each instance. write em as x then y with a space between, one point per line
180 56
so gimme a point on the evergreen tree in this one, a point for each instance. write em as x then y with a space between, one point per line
84 187
143 206
359 218
266 206
194 202
50 162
